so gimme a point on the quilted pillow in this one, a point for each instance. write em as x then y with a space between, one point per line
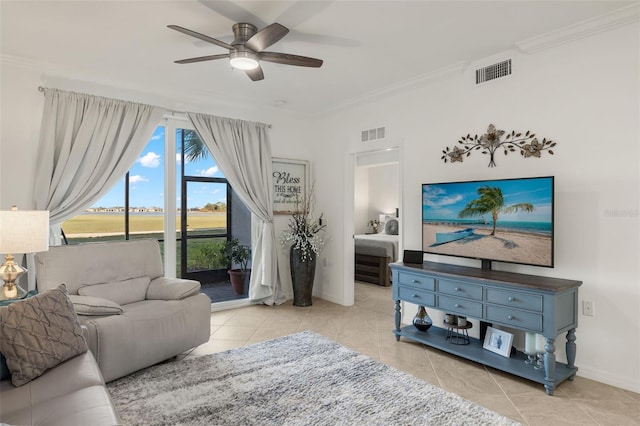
88 305
121 292
38 333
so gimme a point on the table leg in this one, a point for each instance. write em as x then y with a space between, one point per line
571 348
550 365
398 316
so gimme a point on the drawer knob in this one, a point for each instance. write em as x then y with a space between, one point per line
456 306
510 317
456 289
415 281
415 296
511 299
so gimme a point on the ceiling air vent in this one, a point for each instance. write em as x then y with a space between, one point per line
491 72
373 134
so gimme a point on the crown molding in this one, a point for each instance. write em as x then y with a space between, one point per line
606 22
21 62
171 98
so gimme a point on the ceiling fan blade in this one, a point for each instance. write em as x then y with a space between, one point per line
288 59
202 59
255 74
200 36
266 37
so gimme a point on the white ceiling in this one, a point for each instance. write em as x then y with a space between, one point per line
366 45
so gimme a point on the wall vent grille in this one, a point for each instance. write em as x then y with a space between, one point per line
373 134
494 71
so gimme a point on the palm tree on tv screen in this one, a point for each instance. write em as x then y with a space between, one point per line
491 201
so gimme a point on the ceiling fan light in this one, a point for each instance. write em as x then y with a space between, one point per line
244 60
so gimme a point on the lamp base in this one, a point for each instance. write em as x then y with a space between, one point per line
10 272
12 292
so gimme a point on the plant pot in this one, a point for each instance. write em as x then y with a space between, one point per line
238 279
302 275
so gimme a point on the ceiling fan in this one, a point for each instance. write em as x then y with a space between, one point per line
247 49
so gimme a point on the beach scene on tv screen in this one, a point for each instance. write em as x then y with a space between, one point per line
504 220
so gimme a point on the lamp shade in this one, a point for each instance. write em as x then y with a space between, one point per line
24 231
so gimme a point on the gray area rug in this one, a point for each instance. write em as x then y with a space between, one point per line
302 379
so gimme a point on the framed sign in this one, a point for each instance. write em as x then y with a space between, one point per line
290 183
498 341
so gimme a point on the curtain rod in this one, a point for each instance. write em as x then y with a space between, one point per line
41 90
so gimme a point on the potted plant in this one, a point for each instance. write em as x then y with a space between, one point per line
237 254
374 224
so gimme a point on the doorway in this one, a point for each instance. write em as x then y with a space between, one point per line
376 184
209 214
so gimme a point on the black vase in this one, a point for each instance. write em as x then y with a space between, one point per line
302 275
422 321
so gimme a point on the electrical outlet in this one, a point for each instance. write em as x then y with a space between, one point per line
587 308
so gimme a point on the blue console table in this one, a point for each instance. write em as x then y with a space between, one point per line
548 306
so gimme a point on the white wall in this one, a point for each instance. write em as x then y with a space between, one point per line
383 190
584 95
375 192
361 200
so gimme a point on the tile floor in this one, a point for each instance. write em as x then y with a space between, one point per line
366 327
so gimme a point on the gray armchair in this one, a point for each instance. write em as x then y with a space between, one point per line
135 317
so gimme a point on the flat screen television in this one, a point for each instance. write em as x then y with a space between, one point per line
505 220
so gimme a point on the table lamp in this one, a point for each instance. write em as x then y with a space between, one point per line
21 231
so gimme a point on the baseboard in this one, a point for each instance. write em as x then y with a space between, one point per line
624 382
329 298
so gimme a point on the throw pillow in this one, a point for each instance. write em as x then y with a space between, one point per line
38 333
121 292
391 227
88 305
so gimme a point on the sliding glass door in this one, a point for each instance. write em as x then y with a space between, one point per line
203 229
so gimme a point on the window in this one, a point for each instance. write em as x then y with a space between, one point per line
134 208
182 200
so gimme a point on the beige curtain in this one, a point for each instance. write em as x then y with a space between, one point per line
242 150
87 144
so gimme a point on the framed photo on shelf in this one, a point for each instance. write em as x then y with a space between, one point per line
498 341
290 184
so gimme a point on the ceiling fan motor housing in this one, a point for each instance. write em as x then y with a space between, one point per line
242 33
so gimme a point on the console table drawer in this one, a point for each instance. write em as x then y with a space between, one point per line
460 306
418 297
460 289
532 302
415 280
514 318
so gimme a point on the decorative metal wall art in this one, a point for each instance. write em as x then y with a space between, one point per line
494 139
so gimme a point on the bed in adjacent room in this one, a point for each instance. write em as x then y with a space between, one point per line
374 252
